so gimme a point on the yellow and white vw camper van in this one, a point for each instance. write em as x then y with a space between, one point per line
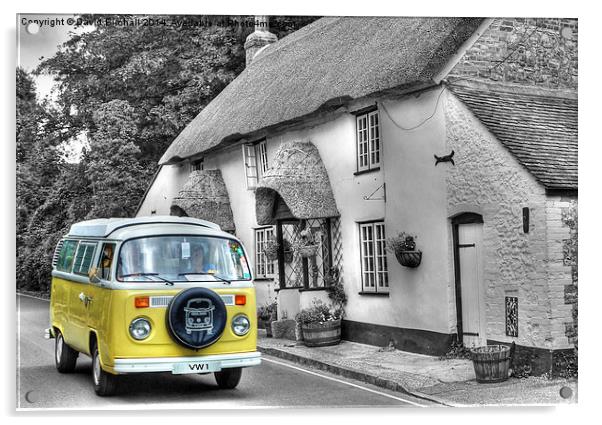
153 294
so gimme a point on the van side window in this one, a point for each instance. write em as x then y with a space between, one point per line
106 260
66 256
83 258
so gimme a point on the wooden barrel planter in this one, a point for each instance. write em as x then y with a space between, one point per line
322 334
491 363
409 258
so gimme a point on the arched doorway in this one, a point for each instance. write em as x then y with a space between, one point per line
468 267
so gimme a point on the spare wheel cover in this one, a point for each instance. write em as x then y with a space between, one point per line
196 317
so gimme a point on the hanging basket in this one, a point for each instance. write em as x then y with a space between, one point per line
409 258
306 251
491 363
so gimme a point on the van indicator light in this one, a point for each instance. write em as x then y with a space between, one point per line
141 302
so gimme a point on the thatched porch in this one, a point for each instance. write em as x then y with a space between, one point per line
204 196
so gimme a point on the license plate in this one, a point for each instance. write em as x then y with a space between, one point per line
196 367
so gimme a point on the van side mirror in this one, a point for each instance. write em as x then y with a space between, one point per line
93 275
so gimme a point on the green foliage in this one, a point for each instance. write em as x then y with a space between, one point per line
268 311
457 350
319 312
335 289
402 242
127 91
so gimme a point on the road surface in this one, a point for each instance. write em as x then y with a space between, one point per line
275 383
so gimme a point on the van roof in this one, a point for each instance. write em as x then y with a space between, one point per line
103 227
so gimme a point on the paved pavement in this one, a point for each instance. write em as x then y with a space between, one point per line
277 382
450 382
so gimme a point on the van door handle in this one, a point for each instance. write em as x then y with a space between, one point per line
85 299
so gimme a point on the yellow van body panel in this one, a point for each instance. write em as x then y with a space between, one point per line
110 312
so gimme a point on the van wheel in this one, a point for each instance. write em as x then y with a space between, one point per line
105 383
65 357
228 379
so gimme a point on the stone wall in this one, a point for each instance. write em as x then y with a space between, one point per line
562 263
533 51
488 180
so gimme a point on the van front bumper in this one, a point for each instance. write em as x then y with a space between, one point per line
181 365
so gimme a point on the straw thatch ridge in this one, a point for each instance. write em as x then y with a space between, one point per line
331 59
299 176
204 196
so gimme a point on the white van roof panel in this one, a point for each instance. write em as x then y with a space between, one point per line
103 227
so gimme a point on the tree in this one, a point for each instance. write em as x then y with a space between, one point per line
116 176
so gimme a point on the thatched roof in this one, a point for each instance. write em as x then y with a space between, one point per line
204 196
325 64
299 176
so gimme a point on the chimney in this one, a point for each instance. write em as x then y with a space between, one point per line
260 38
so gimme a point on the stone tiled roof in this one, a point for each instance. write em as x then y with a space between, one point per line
538 127
325 64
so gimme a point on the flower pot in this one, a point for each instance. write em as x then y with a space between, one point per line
491 363
409 258
307 250
322 334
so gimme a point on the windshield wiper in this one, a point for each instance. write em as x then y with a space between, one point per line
207 274
167 282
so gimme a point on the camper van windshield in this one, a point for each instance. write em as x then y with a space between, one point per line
182 258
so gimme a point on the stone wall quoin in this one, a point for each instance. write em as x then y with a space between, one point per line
533 51
488 176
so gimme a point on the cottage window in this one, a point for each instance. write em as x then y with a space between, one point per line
368 141
198 165
375 277
250 164
264 269
262 154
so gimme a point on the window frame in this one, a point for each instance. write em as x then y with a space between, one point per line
198 164
262 154
249 156
79 246
63 246
260 260
100 258
367 124
376 247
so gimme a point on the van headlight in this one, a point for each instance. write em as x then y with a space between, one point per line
241 325
140 328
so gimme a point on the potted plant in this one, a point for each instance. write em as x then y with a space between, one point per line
265 316
404 247
306 245
270 249
320 324
491 362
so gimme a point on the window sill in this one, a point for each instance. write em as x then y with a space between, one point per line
377 294
371 170
312 289
290 287
264 279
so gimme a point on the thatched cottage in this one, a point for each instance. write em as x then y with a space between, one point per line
336 128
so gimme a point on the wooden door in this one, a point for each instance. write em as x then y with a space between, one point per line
469 283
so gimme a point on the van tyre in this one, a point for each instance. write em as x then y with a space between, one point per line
105 384
65 357
228 379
